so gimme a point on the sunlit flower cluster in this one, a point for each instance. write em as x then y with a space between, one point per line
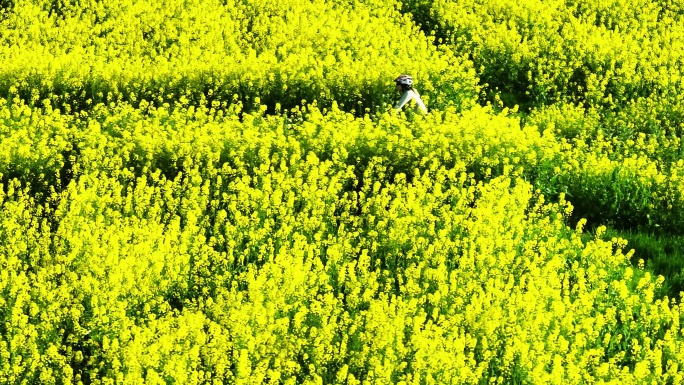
604 52
180 245
73 55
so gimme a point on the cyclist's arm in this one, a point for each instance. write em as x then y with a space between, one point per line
405 98
420 103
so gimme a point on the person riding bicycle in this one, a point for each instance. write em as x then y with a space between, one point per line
405 87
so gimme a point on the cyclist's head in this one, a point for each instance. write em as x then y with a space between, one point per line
405 82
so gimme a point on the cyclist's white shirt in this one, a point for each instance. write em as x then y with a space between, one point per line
407 97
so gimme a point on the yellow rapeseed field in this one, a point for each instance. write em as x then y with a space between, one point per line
218 192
